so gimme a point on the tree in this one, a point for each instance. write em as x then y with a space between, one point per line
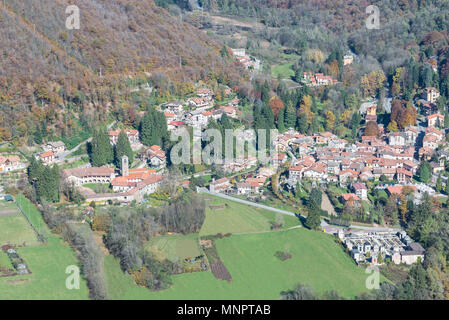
313 220
439 184
276 105
122 148
330 120
424 172
392 126
101 150
289 116
371 129
153 128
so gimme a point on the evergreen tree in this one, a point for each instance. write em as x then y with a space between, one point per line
439 184
153 128
313 220
281 120
123 148
101 151
424 172
302 123
289 116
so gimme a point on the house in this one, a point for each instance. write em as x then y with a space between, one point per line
435 120
220 185
133 136
247 187
431 94
279 158
57 147
47 157
204 93
411 134
360 190
404 176
350 197
230 111
175 107
175 125
348 59
396 139
10 163
169 116
200 102
397 190
413 253
347 174
201 120
155 157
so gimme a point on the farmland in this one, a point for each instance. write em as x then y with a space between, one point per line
256 273
174 247
16 230
47 262
249 257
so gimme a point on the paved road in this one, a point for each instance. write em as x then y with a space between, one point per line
324 224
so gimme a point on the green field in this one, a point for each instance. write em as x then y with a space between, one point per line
33 215
4 260
316 260
223 216
15 229
285 71
48 264
174 247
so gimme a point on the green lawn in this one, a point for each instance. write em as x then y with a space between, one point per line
34 215
15 229
174 247
48 264
5 262
284 70
239 218
257 274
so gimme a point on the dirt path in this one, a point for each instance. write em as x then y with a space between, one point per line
327 205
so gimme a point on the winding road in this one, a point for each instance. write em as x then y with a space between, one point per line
324 224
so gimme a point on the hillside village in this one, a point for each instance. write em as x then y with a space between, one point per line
116 152
389 161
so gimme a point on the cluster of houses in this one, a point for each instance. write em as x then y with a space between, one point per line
249 186
327 158
52 150
318 79
244 59
376 247
130 185
201 110
133 137
155 157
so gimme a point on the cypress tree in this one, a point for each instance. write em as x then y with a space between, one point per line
289 116
123 148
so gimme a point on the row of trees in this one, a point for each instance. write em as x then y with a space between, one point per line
102 152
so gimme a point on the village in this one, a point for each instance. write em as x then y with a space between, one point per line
323 158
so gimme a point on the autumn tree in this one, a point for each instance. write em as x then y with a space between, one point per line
371 129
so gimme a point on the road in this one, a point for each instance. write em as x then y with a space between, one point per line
249 203
324 224
65 155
